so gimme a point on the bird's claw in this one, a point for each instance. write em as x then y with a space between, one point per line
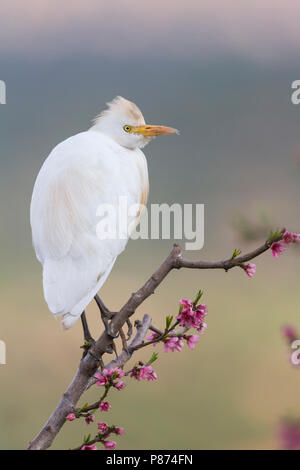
129 332
108 327
96 358
109 350
111 334
125 348
106 315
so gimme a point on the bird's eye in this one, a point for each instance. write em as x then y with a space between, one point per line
127 128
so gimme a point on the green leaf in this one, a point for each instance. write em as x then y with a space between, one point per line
84 407
198 297
86 344
152 358
236 253
276 235
86 438
169 320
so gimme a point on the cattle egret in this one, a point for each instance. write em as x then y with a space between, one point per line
88 170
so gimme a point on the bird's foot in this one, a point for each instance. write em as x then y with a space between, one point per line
108 326
97 359
129 331
110 348
88 343
106 315
88 339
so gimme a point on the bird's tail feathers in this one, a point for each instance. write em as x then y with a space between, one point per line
68 320
68 294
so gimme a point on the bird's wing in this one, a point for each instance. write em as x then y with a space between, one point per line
78 176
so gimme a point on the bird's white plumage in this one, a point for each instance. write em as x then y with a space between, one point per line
91 168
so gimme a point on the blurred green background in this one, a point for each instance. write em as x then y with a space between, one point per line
238 153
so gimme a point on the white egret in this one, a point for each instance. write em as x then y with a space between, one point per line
89 169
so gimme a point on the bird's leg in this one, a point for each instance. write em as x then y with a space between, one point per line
86 332
106 315
88 339
129 331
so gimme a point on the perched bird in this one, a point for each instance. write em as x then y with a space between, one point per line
89 169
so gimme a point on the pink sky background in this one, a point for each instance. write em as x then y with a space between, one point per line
263 30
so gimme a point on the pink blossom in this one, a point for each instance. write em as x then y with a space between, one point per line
152 336
290 237
143 372
135 372
277 248
201 328
108 375
119 431
109 445
201 311
87 447
89 419
114 373
104 406
147 373
102 427
119 385
101 380
70 417
186 305
289 332
173 343
192 340
250 269
296 238
186 315
289 434
190 317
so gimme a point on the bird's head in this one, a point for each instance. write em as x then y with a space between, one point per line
124 122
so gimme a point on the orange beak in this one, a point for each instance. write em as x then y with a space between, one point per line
153 131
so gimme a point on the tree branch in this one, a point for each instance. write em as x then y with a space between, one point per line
90 363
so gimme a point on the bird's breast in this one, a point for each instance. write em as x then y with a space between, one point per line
142 168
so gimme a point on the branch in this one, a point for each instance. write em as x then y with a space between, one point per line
120 361
90 363
98 438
